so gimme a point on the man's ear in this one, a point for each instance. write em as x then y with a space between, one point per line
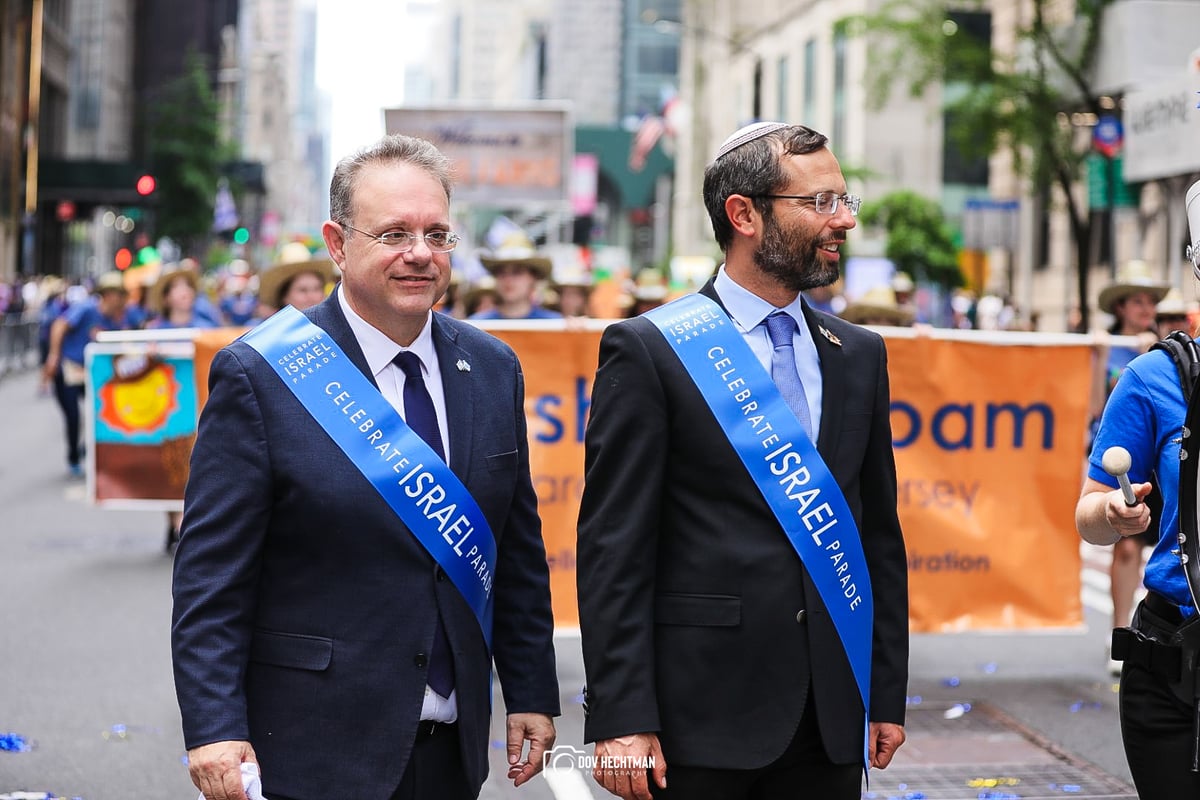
335 241
742 214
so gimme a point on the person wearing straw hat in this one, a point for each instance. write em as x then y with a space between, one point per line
173 301
878 306
1132 299
297 279
1174 314
572 290
719 641
69 335
518 268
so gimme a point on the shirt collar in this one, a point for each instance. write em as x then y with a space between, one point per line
379 349
749 310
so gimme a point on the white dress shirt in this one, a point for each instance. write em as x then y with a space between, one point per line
379 351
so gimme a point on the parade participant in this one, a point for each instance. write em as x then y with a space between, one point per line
340 592
1131 300
296 280
878 306
572 291
173 303
69 335
1173 314
713 614
517 268
1145 415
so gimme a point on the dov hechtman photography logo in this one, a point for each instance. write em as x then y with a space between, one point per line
568 757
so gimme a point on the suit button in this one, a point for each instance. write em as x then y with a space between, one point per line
801 616
441 574
421 660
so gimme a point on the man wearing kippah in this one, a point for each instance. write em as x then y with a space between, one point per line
742 576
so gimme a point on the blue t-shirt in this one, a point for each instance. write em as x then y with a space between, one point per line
83 320
1144 414
537 312
197 321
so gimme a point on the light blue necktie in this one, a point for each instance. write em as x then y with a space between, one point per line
781 328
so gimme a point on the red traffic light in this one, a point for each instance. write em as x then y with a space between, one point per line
146 185
123 259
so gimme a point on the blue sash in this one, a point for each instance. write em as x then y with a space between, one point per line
784 464
415 482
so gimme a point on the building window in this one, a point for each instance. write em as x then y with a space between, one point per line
781 89
809 117
838 137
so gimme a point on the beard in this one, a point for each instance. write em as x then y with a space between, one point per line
791 258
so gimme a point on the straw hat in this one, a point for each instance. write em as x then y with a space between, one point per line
294 259
477 290
1134 277
157 299
109 282
517 249
878 303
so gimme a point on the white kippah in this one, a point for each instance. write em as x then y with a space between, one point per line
748 134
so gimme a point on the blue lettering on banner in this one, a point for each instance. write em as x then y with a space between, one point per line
547 409
427 496
785 466
952 425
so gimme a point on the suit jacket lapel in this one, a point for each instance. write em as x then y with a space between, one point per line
460 398
833 385
327 315
833 376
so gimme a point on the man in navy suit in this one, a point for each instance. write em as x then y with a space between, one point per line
712 652
315 633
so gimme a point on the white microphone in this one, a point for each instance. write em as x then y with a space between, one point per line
1192 204
1116 462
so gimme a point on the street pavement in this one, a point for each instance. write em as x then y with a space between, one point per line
86 676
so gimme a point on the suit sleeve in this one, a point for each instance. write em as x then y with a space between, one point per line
883 545
626 452
523 625
227 510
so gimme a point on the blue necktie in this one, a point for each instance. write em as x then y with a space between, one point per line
781 328
420 415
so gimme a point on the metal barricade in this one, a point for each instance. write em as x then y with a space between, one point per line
18 343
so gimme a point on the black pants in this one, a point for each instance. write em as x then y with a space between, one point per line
1156 727
802 771
69 398
435 769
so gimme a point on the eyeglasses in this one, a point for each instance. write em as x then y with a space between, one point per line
823 202
403 241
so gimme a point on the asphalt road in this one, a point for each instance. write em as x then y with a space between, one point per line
86 674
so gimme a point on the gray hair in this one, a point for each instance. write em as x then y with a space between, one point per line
754 169
391 149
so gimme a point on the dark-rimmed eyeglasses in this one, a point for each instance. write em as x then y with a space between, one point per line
403 241
826 203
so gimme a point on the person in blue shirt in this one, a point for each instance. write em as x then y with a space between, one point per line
1145 415
69 335
517 268
173 300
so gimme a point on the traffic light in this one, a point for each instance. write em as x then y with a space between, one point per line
241 236
123 259
146 184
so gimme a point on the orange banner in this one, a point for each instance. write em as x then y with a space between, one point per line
988 435
989 441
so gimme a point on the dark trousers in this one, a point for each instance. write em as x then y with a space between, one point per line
69 398
435 768
1156 726
802 771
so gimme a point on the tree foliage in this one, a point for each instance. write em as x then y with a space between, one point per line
1022 102
919 240
186 153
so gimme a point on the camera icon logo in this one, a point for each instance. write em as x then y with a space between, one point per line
564 757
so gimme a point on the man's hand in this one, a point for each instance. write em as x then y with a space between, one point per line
617 763
538 730
884 739
216 769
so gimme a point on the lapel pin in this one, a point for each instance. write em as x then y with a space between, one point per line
825 332
463 366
